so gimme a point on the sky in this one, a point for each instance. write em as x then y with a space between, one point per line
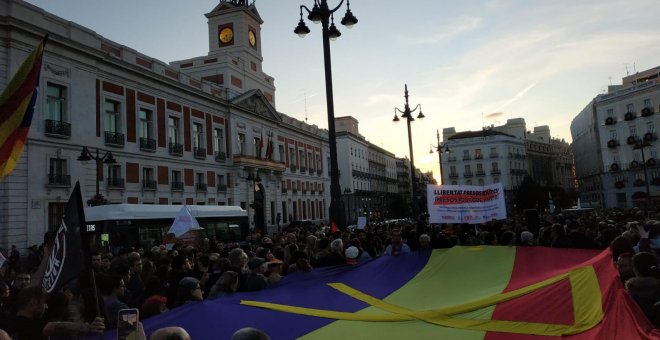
468 63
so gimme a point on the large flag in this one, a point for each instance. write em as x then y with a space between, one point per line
261 144
68 255
16 109
467 293
183 223
269 147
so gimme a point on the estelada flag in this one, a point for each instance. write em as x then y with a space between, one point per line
68 255
487 292
16 109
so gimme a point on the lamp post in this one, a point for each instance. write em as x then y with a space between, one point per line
407 113
348 193
438 148
321 13
640 144
107 158
252 183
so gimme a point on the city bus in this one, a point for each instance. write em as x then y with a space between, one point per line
143 225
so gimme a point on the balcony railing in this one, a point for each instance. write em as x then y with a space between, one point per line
494 155
629 116
303 169
114 182
59 180
220 156
176 149
293 168
451 159
311 171
199 153
149 184
479 156
467 158
631 139
201 186
480 173
495 172
294 190
114 138
147 144
453 175
468 174
319 172
610 121
177 186
647 111
222 188
612 143
58 128
284 190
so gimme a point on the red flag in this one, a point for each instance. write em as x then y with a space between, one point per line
16 109
333 227
261 143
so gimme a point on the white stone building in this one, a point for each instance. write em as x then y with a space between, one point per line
188 132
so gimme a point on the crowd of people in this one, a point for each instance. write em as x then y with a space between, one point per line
160 278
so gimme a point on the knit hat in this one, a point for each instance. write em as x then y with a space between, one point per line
351 254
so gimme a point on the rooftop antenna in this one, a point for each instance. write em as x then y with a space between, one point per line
305 93
627 72
610 78
482 120
634 68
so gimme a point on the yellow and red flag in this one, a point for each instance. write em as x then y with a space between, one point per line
16 110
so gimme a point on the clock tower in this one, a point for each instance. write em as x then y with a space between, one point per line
234 59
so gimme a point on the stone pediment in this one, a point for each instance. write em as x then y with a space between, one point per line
255 102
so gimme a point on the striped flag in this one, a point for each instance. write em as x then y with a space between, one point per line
16 109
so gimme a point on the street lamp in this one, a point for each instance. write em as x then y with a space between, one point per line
107 158
321 13
348 193
439 149
407 113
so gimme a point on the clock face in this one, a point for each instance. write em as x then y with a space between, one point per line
252 38
226 35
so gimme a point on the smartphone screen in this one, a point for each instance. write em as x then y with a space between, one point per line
127 324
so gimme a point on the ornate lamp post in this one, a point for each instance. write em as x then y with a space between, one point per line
407 113
321 13
107 158
439 149
252 183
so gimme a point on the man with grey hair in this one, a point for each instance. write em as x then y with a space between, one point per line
424 242
249 333
336 255
170 333
238 260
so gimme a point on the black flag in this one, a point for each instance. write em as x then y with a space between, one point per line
68 255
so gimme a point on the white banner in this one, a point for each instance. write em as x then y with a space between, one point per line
183 223
465 203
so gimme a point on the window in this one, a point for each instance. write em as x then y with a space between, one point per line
241 144
477 154
292 156
112 116
198 135
57 174
257 146
284 213
177 183
310 160
650 126
146 122
301 156
647 103
481 181
452 169
173 129
218 141
613 134
610 113
55 213
495 166
468 168
148 181
633 130
480 167
630 108
280 149
55 101
114 176
466 154
200 180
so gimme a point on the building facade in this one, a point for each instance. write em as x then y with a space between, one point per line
619 127
198 131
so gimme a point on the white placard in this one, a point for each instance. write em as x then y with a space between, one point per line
465 203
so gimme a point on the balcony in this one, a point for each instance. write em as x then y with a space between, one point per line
311 171
467 158
116 183
619 184
147 144
56 128
149 184
220 156
614 167
59 180
256 162
478 156
650 136
293 168
634 164
612 143
199 153
294 190
177 186
453 175
495 172
451 159
175 149
303 169
647 111
610 121
631 140
222 188
651 162
284 190
468 174
480 173
494 155
639 182
319 172
114 138
304 191
201 187
629 116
